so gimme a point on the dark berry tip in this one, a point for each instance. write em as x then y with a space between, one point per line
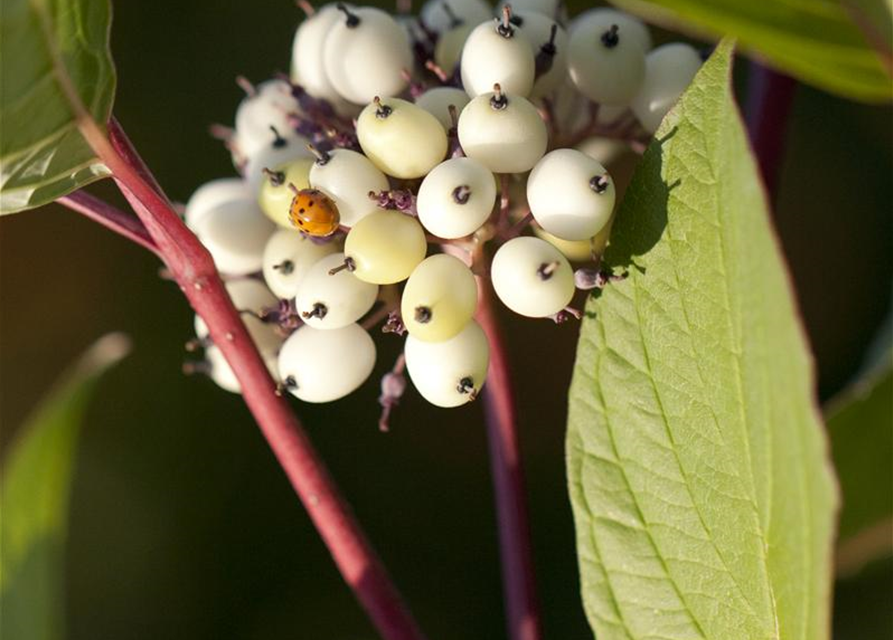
610 38
423 314
351 20
599 184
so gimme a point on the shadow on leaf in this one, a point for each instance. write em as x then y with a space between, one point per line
642 218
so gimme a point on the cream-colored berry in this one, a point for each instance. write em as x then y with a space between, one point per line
570 194
333 300
288 257
496 52
437 102
401 138
385 247
449 373
605 64
235 234
365 53
670 68
213 193
439 298
316 365
456 198
276 193
503 132
347 177
532 278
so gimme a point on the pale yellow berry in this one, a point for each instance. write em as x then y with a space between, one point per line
439 298
400 138
275 194
384 247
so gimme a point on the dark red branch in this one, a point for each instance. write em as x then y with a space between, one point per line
519 587
193 268
770 95
110 217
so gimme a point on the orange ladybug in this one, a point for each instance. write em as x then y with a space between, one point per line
313 212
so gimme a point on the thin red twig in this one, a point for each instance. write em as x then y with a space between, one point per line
110 217
194 270
875 35
522 607
769 98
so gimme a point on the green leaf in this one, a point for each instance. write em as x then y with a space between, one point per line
813 40
46 45
860 424
36 481
697 465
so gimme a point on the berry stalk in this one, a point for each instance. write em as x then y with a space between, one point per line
521 604
193 268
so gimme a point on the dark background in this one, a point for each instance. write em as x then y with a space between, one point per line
183 526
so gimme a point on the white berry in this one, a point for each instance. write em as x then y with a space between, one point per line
333 300
496 52
441 15
222 374
669 70
213 193
531 277
549 50
347 177
269 106
283 147
449 373
251 298
605 65
456 198
448 50
437 102
321 366
364 54
307 67
288 257
503 132
605 150
570 194
235 234
631 27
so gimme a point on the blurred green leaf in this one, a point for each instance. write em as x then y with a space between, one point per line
44 44
813 40
697 465
860 423
36 477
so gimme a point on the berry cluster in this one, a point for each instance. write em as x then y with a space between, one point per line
453 129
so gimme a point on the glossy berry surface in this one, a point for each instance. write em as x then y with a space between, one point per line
439 298
449 373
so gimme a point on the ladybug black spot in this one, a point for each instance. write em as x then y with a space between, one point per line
301 210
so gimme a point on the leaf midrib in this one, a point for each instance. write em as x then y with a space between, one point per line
59 70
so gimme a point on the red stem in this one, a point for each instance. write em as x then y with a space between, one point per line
522 609
193 268
110 217
769 99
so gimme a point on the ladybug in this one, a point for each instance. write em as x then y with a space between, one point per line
313 212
